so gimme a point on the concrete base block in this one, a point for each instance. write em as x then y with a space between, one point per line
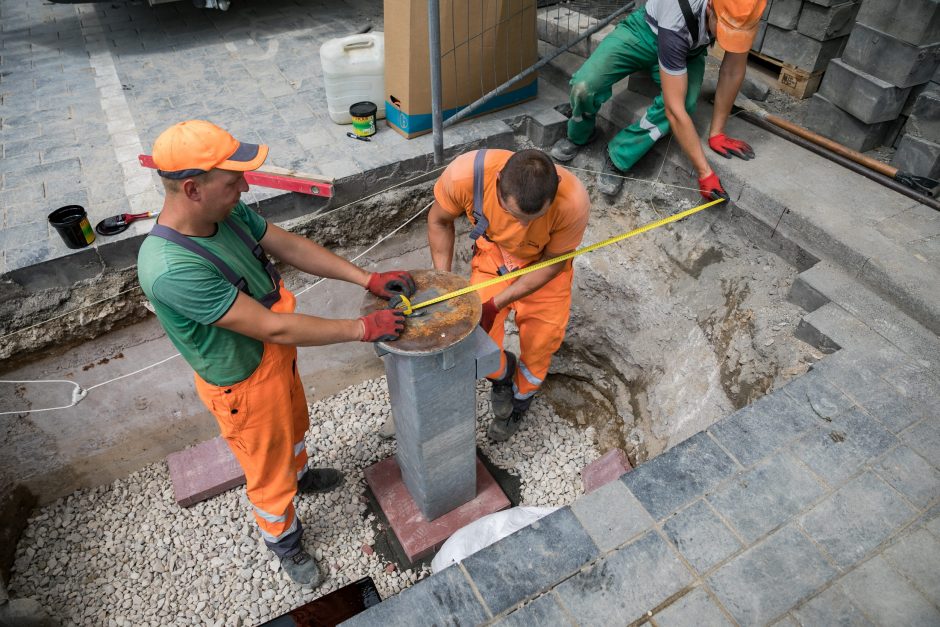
799 50
785 14
824 3
827 119
825 23
608 467
559 26
914 21
418 536
889 58
924 120
868 98
917 155
203 471
759 40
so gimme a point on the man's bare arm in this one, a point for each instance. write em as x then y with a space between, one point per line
441 237
249 317
310 257
675 88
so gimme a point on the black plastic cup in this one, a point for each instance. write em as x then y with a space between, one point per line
73 226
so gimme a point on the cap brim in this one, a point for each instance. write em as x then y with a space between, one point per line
245 158
732 39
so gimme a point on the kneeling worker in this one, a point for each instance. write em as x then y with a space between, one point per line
225 308
670 39
524 209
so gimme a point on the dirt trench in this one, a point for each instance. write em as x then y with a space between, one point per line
674 329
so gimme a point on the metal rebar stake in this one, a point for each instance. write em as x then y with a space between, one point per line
437 112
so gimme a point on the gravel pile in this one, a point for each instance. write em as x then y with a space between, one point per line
126 554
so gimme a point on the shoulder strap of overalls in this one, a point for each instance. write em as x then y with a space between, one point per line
179 239
691 20
480 223
257 250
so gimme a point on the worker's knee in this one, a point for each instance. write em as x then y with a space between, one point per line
581 92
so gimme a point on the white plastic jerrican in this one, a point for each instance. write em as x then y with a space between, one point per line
354 71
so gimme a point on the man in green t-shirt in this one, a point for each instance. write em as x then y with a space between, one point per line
224 306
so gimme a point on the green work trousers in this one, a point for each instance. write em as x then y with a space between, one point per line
631 47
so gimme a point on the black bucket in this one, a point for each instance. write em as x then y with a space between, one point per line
363 118
73 226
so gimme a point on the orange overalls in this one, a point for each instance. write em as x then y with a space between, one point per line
264 420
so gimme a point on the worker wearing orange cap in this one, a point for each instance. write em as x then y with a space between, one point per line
225 308
669 38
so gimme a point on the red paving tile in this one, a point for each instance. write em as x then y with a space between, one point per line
609 466
418 536
203 471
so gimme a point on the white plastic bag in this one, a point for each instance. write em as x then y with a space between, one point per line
485 531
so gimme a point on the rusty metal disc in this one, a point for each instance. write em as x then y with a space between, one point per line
437 327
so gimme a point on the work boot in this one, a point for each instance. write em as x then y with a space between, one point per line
565 150
319 480
302 569
501 392
610 179
501 430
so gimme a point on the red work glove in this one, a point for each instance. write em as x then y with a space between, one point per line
710 188
388 284
489 314
384 325
726 147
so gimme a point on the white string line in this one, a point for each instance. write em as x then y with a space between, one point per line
79 393
136 287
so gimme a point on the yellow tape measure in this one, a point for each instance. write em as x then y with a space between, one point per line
408 308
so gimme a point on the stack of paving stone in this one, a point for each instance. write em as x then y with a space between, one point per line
884 89
804 34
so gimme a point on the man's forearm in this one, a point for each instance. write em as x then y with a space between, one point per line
528 284
312 258
304 330
684 130
441 241
730 77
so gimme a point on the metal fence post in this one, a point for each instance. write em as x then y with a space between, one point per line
437 114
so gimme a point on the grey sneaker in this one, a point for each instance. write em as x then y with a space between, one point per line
501 392
565 150
302 569
610 179
502 430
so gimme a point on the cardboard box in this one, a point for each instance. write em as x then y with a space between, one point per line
484 43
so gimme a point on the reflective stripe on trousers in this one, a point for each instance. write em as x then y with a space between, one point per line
264 420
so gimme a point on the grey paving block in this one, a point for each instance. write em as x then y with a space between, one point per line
836 449
924 120
917 155
924 438
799 50
917 557
611 515
913 21
823 399
887 597
772 577
542 554
886 403
445 598
831 607
857 518
825 118
759 39
680 475
918 382
766 496
825 23
866 97
626 584
694 608
544 610
911 475
700 535
890 59
785 14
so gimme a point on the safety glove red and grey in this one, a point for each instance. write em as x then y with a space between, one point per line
489 314
388 284
383 325
728 147
710 188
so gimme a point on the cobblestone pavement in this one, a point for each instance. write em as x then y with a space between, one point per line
86 88
817 505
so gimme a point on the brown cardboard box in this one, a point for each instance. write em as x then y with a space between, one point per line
484 43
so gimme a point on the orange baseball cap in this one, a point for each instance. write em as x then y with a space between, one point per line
737 23
194 147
